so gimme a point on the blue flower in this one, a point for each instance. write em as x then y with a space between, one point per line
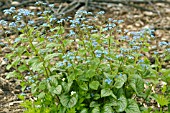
73 25
98 53
168 50
94 43
25 12
141 61
46 12
30 22
101 13
135 47
72 33
124 37
39 13
51 5
155 52
130 57
3 23
120 21
17 17
9 11
45 25
94 31
110 19
108 80
163 43
119 55
53 19
12 24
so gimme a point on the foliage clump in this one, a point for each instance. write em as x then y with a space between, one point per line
85 64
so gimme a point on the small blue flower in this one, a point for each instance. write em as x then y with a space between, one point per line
39 13
130 57
90 27
72 33
53 19
108 80
12 24
163 43
69 65
98 53
9 11
3 23
23 94
110 19
135 47
46 12
17 17
141 61
94 43
155 52
17 40
73 25
94 31
25 12
92 95
101 13
60 64
119 56
168 50
45 25
51 5
120 21
30 22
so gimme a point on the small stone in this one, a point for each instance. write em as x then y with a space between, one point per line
1 92
6 50
147 13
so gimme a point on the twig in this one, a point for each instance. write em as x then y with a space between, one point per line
133 1
155 8
73 5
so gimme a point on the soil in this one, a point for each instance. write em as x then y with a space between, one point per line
135 19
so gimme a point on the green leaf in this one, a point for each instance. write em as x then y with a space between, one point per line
22 68
145 49
106 92
137 84
33 60
162 100
11 74
37 67
68 101
96 96
96 110
60 30
84 110
107 109
90 73
50 56
94 104
132 107
120 81
94 85
51 45
66 86
33 88
58 89
42 85
83 86
122 104
41 95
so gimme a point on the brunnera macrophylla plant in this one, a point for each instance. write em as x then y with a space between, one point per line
83 64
